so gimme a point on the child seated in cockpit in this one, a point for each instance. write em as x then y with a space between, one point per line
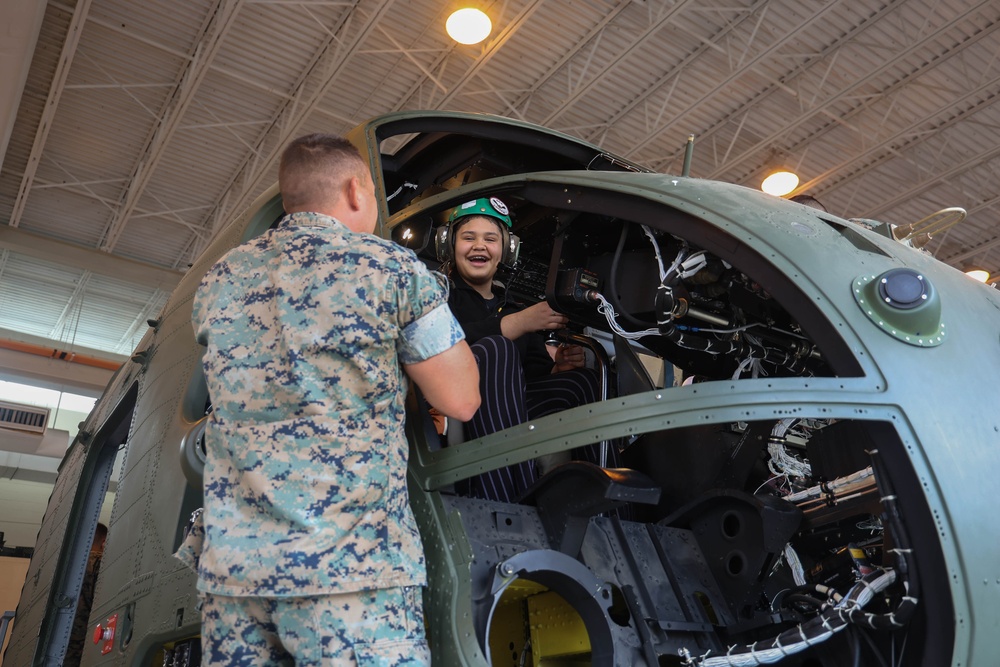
521 377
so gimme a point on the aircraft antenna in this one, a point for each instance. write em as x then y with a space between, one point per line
934 223
688 153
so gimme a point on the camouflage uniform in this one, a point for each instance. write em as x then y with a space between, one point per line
79 635
367 628
305 481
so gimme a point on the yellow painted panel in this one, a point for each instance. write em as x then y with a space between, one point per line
557 631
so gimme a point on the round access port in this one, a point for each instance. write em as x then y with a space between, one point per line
732 525
735 563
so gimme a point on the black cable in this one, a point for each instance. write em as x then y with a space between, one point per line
906 565
514 272
831 620
871 643
828 595
804 599
855 644
902 648
613 282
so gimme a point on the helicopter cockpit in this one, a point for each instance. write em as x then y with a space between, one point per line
759 523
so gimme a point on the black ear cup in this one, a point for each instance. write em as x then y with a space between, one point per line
444 246
511 250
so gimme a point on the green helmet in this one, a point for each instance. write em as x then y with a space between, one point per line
490 207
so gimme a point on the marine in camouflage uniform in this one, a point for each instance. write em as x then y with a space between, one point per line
79 635
311 550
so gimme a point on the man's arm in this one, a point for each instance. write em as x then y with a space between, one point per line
449 381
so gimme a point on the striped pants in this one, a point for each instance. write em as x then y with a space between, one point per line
509 400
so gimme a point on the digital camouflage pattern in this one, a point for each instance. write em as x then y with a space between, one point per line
305 479
368 629
80 633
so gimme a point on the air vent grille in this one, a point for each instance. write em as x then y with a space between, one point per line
23 417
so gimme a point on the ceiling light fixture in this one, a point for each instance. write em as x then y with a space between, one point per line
780 183
468 26
978 273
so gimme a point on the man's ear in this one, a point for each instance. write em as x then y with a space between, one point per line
354 193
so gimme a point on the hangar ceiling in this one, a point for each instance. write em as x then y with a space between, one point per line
142 127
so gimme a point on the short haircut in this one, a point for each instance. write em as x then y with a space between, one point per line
314 167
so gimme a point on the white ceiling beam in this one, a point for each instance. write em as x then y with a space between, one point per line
845 93
120 29
223 124
593 33
41 184
641 39
318 78
745 66
406 99
913 134
408 54
938 176
957 258
494 47
74 303
22 21
82 189
207 46
677 70
237 187
148 311
418 83
88 259
782 85
215 67
116 86
19 467
676 117
66 56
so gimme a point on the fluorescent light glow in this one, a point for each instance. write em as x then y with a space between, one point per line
779 183
982 275
44 398
468 26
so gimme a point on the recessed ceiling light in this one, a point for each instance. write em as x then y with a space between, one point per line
468 26
779 183
982 275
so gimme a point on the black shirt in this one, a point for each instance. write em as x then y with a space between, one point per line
481 317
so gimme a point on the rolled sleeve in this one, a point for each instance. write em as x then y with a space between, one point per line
432 334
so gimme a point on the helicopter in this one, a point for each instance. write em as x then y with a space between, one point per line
795 398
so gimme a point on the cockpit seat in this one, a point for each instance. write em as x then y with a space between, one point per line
568 496
632 377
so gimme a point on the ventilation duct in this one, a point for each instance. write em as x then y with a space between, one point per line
24 430
23 417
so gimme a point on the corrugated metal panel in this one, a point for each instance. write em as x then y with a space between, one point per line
872 101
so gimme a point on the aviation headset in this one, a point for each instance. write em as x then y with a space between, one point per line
444 239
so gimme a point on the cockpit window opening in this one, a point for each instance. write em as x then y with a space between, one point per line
95 457
695 297
416 164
